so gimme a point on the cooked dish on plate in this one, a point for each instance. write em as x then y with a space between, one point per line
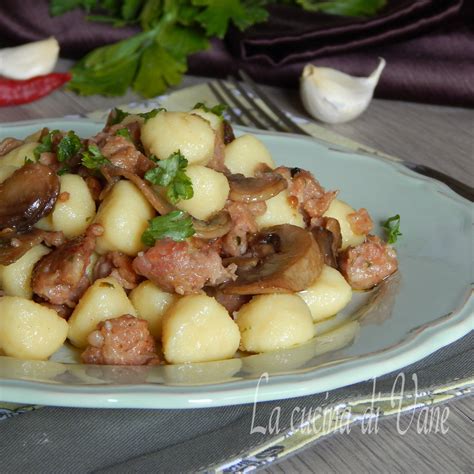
166 239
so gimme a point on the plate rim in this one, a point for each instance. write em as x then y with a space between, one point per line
415 346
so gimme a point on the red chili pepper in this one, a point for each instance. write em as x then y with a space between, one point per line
14 92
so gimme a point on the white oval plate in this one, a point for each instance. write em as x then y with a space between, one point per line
427 306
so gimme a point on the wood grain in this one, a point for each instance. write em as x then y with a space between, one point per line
441 137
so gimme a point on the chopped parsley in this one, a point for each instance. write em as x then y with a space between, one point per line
151 113
177 225
46 144
118 115
392 227
69 146
93 158
218 109
125 133
171 174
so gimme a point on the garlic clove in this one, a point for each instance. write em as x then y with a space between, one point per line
29 60
332 96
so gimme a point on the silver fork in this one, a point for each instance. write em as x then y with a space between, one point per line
245 108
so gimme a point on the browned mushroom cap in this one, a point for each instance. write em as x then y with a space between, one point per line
217 226
296 263
332 224
8 144
327 233
27 195
325 240
261 188
229 136
14 245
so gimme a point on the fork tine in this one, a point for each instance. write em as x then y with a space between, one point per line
244 110
275 124
234 117
271 105
250 115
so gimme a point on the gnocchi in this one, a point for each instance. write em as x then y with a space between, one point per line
328 295
198 329
245 154
214 120
280 211
105 299
339 210
210 188
169 132
19 155
75 212
15 279
29 330
151 304
124 215
180 258
271 322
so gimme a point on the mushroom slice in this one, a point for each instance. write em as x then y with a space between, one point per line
296 263
261 188
8 144
27 195
228 132
13 247
325 240
327 233
217 226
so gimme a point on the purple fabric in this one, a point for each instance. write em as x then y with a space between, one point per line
428 45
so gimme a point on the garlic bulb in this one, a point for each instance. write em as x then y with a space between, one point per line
335 97
29 60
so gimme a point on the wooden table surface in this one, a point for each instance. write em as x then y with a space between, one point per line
442 137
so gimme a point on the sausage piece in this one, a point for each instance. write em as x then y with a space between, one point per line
183 267
60 277
368 264
121 341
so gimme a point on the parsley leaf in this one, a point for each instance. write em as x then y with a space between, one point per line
130 9
218 109
116 116
156 58
125 133
109 70
69 145
177 225
392 227
93 158
343 7
217 15
170 173
151 113
46 144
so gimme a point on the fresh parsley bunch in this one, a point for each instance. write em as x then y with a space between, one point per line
156 58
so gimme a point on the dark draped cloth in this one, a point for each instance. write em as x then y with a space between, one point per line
428 45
